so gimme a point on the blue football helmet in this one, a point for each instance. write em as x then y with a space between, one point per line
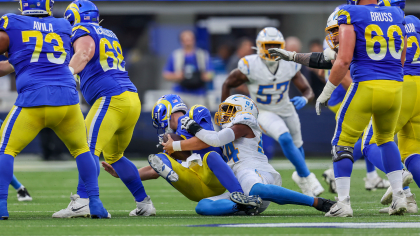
163 109
353 2
36 7
393 3
82 11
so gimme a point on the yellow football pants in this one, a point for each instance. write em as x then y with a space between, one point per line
110 124
196 182
335 108
23 124
408 124
376 99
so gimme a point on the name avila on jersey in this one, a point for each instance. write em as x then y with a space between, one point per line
43 26
381 16
410 28
106 32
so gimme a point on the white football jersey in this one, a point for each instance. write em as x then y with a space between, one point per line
270 92
245 153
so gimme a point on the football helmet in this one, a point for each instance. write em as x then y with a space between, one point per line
82 11
269 35
36 7
393 3
353 2
163 109
331 24
233 105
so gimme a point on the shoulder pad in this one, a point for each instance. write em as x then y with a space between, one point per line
248 119
198 111
344 16
5 20
243 66
84 27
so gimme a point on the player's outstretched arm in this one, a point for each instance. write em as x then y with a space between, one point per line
84 50
302 84
235 78
192 144
314 60
6 68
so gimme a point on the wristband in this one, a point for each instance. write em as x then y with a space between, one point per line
176 145
306 100
71 70
329 88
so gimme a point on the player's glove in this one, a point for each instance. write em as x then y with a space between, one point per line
190 125
282 54
330 54
324 97
299 102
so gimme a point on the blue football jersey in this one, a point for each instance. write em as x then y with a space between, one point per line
202 116
39 50
105 73
380 34
412 63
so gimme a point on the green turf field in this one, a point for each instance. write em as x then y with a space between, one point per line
51 190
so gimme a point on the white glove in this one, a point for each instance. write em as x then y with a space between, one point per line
186 122
324 97
329 54
282 54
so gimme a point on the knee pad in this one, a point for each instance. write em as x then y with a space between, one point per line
342 152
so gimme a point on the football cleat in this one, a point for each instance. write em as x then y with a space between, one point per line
144 208
387 197
324 205
341 209
97 210
411 206
249 210
303 183
376 183
241 198
399 204
78 207
4 214
316 186
329 178
162 169
23 195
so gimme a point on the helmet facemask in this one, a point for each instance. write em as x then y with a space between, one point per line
263 47
330 37
226 112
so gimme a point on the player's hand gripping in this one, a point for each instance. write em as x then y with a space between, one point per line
282 54
324 97
108 168
190 125
330 54
299 102
168 147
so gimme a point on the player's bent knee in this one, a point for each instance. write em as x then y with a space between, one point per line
342 152
76 152
286 139
210 155
203 207
260 189
111 159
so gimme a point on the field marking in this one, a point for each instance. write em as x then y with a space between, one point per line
390 225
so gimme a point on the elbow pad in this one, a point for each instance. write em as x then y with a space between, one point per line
318 61
216 139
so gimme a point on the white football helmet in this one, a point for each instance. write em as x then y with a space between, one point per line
332 23
269 35
233 105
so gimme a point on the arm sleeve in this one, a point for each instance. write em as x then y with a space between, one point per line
318 61
216 139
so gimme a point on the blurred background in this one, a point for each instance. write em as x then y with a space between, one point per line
150 32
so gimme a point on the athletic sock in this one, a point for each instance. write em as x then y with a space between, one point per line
391 157
373 155
357 150
395 179
6 174
293 154
372 175
88 173
280 195
413 165
15 183
223 172
81 189
220 207
302 151
129 175
343 187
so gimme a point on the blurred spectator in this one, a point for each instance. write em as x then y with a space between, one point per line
293 44
190 68
315 45
316 77
244 49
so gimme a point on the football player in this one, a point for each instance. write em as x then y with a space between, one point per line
38 46
324 61
99 63
242 150
376 92
203 174
268 82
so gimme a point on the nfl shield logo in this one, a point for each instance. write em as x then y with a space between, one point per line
87 18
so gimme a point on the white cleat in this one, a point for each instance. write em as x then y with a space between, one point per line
303 183
341 209
162 169
316 186
144 208
329 178
376 183
399 204
78 207
411 206
387 197
23 195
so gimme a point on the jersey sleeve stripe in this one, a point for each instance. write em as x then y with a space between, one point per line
347 14
387 3
82 28
246 63
191 113
6 21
